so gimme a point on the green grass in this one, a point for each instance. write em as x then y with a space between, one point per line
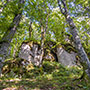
52 76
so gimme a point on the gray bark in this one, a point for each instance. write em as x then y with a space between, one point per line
30 30
42 45
43 34
12 29
7 38
73 31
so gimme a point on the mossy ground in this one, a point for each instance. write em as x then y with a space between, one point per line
52 76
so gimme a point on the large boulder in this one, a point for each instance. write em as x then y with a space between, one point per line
65 58
30 53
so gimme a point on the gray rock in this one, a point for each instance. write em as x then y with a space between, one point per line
25 52
65 58
30 54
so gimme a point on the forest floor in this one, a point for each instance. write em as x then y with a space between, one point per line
53 76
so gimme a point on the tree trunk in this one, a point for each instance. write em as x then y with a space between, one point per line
42 45
7 38
73 30
43 34
30 30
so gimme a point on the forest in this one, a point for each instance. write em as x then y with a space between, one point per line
44 44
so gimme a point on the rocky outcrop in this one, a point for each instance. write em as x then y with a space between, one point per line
65 58
31 53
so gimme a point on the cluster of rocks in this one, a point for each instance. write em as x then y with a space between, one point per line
31 53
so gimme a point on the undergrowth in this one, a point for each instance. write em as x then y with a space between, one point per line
51 76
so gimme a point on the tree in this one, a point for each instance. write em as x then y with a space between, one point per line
73 31
9 34
43 34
